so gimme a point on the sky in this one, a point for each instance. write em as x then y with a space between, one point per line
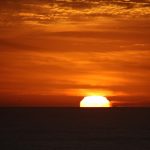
55 52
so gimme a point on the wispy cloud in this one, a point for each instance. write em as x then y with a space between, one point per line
43 12
71 73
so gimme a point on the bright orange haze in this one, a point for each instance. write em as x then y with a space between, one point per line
95 101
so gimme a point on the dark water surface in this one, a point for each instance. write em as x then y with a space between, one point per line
74 129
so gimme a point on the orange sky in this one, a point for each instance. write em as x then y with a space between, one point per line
53 53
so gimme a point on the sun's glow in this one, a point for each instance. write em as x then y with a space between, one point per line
95 101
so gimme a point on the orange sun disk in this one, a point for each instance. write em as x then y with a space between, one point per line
95 101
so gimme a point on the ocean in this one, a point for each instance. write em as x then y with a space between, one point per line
74 128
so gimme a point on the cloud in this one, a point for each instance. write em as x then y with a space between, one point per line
75 72
44 12
118 36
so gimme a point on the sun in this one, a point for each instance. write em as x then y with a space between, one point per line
95 101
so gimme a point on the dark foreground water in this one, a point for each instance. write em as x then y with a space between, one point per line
74 129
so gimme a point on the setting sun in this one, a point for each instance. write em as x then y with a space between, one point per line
95 101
